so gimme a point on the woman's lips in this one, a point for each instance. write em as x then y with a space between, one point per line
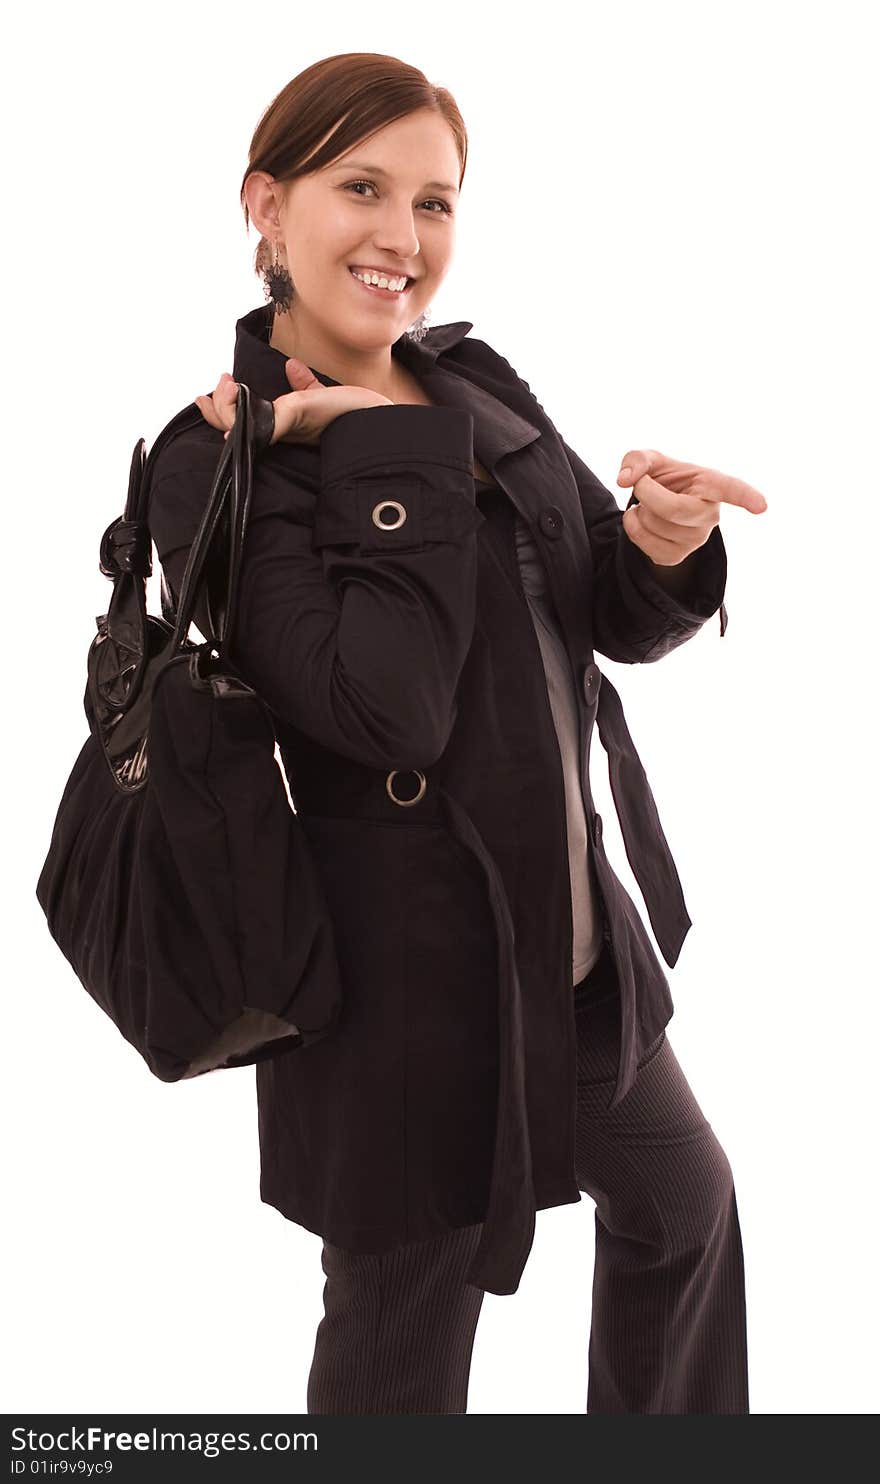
372 288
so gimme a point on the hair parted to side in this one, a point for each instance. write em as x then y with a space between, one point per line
353 94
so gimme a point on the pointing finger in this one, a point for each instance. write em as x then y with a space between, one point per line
690 479
736 492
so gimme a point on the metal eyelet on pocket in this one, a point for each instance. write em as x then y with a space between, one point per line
393 796
385 525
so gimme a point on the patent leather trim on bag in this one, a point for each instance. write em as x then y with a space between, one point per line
131 644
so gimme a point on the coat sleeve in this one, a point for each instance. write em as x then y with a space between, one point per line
635 620
356 606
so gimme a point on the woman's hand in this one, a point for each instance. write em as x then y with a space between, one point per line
302 414
679 504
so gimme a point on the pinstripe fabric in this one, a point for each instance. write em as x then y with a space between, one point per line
669 1313
668 1332
398 1328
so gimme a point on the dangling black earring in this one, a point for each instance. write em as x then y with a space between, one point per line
278 283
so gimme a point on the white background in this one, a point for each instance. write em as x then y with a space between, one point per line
696 184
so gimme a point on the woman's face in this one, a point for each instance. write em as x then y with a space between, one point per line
389 203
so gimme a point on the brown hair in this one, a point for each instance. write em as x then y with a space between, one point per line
354 94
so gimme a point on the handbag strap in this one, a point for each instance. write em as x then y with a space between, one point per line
227 510
118 672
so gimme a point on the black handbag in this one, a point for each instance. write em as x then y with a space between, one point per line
178 882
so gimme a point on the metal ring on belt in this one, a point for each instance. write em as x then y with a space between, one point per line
393 796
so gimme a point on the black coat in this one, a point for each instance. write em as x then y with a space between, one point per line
383 621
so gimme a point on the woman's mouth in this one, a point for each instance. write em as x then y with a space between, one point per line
380 292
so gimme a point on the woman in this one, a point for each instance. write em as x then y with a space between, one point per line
427 573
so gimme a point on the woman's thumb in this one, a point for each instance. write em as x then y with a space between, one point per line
298 373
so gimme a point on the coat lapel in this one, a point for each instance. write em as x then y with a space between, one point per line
498 429
529 465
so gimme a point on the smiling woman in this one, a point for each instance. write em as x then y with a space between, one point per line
356 241
425 643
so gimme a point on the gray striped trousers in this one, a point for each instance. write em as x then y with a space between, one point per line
668 1327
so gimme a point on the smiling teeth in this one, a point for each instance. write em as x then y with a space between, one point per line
395 284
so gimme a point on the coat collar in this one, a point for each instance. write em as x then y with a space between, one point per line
498 430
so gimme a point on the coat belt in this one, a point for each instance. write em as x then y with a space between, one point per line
509 1225
645 843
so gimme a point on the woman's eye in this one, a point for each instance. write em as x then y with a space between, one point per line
442 204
